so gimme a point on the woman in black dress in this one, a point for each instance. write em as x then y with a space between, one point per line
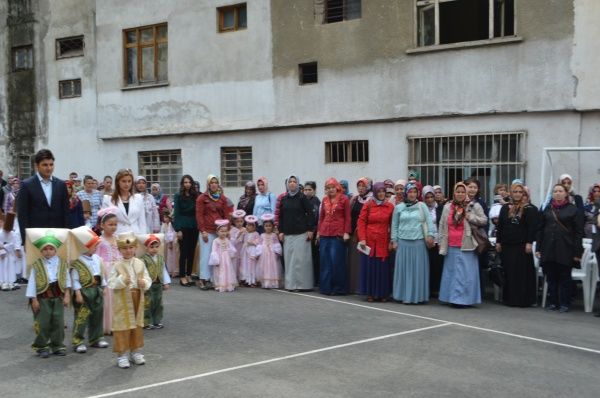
515 233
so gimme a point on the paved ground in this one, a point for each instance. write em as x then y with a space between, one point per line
257 343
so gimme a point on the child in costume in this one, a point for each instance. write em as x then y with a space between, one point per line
88 286
236 236
109 253
128 279
269 260
155 265
10 252
248 255
221 258
171 252
49 288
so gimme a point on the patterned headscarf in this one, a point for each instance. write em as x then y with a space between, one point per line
213 195
459 207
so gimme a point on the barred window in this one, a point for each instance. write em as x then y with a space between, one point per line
232 18
22 58
342 10
69 47
163 167
492 158
347 151
24 166
236 166
69 88
146 54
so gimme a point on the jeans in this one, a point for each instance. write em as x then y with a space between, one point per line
333 265
559 284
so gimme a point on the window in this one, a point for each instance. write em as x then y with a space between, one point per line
24 166
163 167
308 73
341 10
454 21
491 158
236 166
145 54
22 58
232 18
347 151
69 47
69 88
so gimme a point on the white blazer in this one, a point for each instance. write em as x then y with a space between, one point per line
132 221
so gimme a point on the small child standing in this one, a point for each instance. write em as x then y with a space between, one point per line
48 289
155 265
236 236
221 258
128 279
88 285
109 253
269 263
10 253
248 254
171 256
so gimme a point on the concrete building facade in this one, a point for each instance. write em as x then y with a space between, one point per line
228 88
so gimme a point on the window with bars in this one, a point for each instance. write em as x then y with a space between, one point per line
454 21
145 55
22 58
347 151
236 166
69 88
308 73
492 158
69 47
341 10
24 166
232 18
163 167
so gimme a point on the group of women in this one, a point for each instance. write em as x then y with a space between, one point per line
390 240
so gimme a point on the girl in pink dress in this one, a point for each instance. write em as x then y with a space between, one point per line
269 269
109 253
236 235
172 248
221 258
248 255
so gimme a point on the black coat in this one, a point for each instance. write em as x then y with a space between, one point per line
296 215
33 209
519 230
556 243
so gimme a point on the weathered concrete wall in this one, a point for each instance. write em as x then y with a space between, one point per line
586 54
4 68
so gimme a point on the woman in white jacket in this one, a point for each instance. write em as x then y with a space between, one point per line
131 214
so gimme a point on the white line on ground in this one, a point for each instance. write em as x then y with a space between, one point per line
253 364
520 336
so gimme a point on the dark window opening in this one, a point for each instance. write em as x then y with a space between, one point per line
342 10
465 20
69 88
308 73
69 47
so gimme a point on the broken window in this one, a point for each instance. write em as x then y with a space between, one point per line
347 151
22 58
455 21
146 54
232 18
69 88
342 10
69 47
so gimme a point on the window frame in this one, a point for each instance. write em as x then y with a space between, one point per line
240 171
175 169
236 17
61 94
139 46
436 4
301 75
57 47
344 12
347 149
14 51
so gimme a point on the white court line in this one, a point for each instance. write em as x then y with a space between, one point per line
249 365
520 336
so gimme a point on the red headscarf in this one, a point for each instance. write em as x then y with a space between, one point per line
330 204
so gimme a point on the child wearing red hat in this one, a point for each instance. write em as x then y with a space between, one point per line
157 269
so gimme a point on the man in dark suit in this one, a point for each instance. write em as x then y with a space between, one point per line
42 201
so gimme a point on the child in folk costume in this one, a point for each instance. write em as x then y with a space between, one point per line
172 249
10 252
128 280
49 287
248 255
236 235
109 253
269 260
155 265
88 286
221 258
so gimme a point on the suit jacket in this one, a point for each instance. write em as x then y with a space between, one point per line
33 209
132 221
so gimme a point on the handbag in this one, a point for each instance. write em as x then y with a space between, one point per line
424 226
483 243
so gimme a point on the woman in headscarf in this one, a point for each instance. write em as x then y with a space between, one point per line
374 232
10 199
567 181
590 210
559 246
150 208
212 205
334 230
265 201
246 201
364 194
435 260
515 233
162 200
75 213
460 277
346 188
398 192
296 224
412 233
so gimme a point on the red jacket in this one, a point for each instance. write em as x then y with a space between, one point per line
337 221
208 211
374 227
